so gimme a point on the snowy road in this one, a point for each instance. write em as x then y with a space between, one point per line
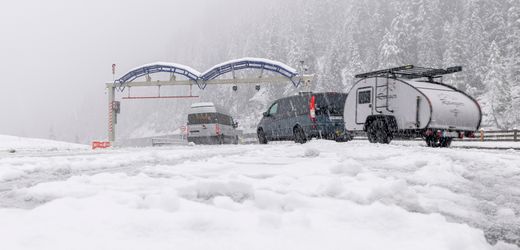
322 195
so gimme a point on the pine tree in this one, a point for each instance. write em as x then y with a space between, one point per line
355 63
453 54
428 18
498 96
475 40
389 52
404 31
512 41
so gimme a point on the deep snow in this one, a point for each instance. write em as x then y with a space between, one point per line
322 195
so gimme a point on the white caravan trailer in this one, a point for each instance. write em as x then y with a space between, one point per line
408 102
211 124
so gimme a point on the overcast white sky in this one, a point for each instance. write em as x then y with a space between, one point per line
56 55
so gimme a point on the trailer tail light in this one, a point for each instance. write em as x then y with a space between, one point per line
217 129
312 109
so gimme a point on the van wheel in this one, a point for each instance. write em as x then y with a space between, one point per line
299 135
262 139
378 132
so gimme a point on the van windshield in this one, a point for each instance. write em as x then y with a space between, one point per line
330 103
202 118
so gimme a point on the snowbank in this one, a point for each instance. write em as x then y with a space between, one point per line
117 211
31 144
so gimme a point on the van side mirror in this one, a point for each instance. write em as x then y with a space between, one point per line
265 114
235 125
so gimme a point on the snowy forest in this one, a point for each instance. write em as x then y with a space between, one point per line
340 38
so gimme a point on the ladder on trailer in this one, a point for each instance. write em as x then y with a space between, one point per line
382 95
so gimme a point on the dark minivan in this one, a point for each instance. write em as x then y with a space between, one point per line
304 116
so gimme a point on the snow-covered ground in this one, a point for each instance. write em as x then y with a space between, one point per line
321 195
14 143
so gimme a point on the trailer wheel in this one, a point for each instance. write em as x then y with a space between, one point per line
378 132
438 142
299 135
446 142
371 134
262 139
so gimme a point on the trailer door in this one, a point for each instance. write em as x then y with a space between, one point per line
363 104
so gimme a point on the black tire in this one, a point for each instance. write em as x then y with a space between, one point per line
436 142
343 138
371 133
446 142
299 135
430 141
378 132
262 139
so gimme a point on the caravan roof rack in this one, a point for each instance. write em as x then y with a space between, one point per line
411 72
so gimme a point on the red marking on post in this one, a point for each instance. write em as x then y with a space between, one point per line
100 144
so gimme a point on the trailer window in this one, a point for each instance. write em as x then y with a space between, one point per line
364 97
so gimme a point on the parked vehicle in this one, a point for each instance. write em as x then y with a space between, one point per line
211 124
304 116
410 102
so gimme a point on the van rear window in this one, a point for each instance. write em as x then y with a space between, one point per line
209 118
202 118
330 103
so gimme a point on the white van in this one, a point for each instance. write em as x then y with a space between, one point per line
210 124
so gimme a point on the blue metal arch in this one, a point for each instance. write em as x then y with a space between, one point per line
214 72
157 68
251 63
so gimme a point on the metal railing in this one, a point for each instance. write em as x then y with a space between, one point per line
481 135
497 135
168 141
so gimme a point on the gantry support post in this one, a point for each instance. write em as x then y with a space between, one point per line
111 112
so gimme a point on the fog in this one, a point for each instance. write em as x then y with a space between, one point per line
56 56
